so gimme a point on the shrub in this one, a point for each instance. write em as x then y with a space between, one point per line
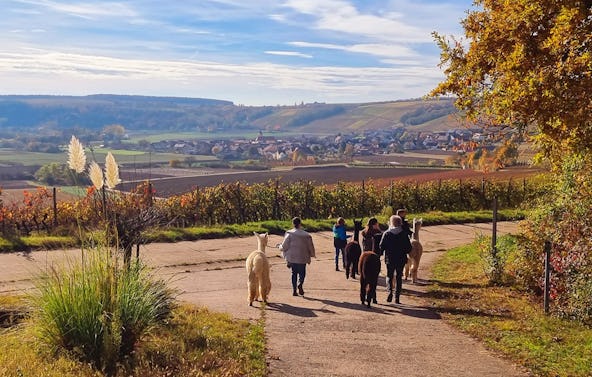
98 309
495 260
563 218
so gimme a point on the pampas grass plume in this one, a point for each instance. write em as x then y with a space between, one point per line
111 171
96 175
76 156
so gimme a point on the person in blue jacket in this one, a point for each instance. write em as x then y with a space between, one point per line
339 241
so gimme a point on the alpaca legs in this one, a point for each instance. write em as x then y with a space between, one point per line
415 268
372 294
354 267
264 292
411 268
362 292
367 293
347 267
350 268
252 291
407 269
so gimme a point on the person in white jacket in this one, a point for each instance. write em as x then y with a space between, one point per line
297 249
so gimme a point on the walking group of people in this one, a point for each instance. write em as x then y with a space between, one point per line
394 243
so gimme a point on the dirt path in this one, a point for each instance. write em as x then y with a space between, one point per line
327 332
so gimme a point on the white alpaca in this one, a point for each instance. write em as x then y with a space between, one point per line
414 255
257 264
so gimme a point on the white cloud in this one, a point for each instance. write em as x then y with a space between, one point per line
266 83
289 53
84 9
363 50
376 49
341 16
278 17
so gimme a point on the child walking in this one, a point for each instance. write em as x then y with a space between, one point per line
339 241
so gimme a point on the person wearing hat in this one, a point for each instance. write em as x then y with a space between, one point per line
297 249
402 212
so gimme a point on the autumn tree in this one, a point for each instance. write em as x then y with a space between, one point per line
55 173
298 155
526 64
529 64
113 132
348 151
505 155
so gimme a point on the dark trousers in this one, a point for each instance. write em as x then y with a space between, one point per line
397 270
298 274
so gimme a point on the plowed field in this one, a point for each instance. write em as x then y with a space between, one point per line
173 185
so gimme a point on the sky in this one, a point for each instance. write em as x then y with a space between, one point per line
250 52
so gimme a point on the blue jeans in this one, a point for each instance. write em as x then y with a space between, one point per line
298 274
397 271
337 251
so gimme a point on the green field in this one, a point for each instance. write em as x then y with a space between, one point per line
30 158
9 156
194 135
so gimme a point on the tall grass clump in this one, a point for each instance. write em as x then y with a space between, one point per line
495 259
98 309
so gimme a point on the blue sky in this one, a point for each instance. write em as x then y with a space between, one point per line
255 52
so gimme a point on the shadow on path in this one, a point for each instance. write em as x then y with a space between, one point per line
296 310
387 309
419 312
345 305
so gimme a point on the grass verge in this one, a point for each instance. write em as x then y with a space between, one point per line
194 342
41 242
506 320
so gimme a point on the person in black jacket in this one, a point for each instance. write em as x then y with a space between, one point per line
395 245
402 213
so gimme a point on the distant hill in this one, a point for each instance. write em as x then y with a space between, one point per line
187 114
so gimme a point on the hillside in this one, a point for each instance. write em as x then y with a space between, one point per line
417 115
197 114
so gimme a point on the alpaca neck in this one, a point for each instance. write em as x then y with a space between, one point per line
357 234
261 246
415 233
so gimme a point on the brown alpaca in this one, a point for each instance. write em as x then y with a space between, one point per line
257 265
352 251
369 267
414 255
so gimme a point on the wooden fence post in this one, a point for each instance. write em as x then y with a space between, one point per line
276 201
547 276
460 195
392 193
362 200
239 202
494 230
483 194
55 208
